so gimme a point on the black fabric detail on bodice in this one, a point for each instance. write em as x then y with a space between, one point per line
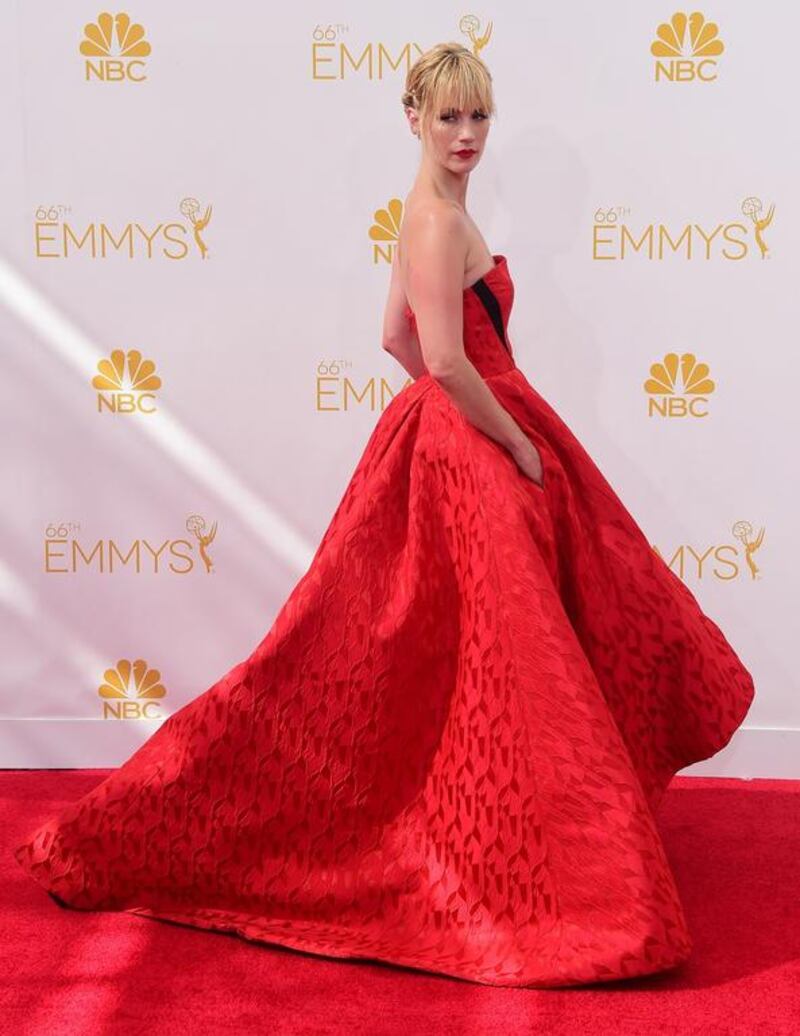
492 307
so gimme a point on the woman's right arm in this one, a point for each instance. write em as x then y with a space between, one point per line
436 252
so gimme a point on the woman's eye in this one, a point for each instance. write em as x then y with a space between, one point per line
450 115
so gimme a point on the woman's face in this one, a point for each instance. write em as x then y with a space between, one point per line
456 138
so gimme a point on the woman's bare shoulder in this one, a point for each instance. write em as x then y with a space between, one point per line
432 214
429 222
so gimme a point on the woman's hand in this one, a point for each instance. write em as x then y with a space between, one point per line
529 461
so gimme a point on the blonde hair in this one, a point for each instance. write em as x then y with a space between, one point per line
451 72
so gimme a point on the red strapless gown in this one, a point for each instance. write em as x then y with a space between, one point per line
447 751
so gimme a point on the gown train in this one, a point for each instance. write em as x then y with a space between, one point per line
448 750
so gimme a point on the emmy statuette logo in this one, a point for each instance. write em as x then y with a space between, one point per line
196 525
68 550
616 237
57 235
470 26
743 531
721 562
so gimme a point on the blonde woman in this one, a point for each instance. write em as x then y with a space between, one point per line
447 751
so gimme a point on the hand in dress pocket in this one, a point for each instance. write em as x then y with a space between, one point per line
529 462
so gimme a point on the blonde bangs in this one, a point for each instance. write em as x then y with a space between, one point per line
448 75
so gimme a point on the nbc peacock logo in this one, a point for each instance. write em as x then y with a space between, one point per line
114 47
131 690
126 383
686 48
385 230
678 386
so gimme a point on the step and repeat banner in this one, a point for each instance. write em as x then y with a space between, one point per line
199 208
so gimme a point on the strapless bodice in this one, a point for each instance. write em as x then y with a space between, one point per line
487 307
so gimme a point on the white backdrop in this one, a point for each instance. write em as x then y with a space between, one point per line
204 192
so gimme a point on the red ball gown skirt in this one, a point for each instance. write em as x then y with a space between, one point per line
447 751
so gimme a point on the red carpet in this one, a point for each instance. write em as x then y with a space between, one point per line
734 847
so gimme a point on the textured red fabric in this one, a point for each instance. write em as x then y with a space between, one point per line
448 749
